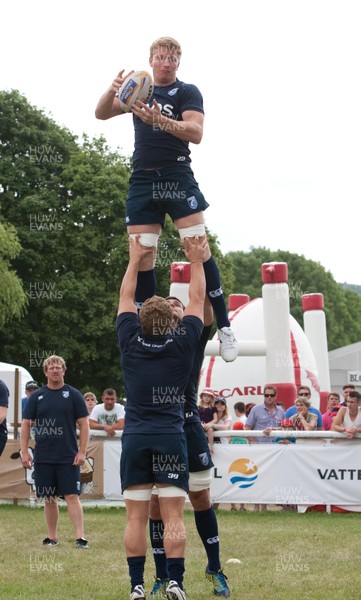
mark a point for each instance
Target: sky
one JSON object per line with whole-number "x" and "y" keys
{"x": 280, "y": 158}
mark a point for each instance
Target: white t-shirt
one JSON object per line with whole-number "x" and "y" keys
{"x": 243, "y": 419}
{"x": 107, "y": 417}
{"x": 226, "y": 421}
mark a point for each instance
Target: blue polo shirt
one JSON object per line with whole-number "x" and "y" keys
{"x": 260, "y": 417}
{"x": 156, "y": 371}
{"x": 55, "y": 413}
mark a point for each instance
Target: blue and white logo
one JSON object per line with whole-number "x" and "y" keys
{"x": 173, "y": 92}
{"x": 66, "y": 394}
{"x": 192, "y": 202}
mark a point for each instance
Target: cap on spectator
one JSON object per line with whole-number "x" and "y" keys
{"x": 238, "y": 425}
{"x": 223, "y": 400}
{"x": 207, "y": 391}
{"x": 31, "y": 385}
{"x": 286, "y": 423}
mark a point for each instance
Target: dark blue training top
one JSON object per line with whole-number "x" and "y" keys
{"x": 156, "y": 372}
{"x": 55, "y": 413}
{"x": 154, "y": 147}
{"x": 191, "y": 391}
{"x": 4, "y": 401}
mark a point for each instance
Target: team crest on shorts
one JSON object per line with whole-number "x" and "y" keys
{"x": 204, "y": 458}
{"x": 192, "y": 202}
{"x": 66, "y": 394}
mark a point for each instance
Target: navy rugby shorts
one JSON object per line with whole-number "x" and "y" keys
{"x": 154, "y": 458}
{"x": 199, "y": 456}
{"x": 56, "y": 479}
{"x": 155, "y": 193}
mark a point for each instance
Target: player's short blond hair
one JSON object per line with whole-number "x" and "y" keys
{"x": 170, "y": 43}
{"x": 156, "y": 317}
{"x": 53, "y": 360}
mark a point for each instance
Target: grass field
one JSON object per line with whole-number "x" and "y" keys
{"x": 283, "y": 556}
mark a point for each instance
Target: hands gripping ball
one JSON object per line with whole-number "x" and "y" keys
{"x": 137, "y": 86}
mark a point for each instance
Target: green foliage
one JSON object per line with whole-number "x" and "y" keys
{"x": 12, "y": 296}
{"x": 67, "y": 204}
{"x": 342, "y": 307}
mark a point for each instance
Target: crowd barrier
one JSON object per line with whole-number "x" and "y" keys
{"x": 321, "y": 468}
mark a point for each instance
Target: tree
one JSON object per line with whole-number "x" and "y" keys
{"x": 12, "y": 296}
{"x": 67, "y": 204}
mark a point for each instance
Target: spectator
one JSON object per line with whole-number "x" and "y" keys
{"x": 90, "y": 400}
{"x": 348, "y": 419}
{"x": 109, "y": 415}
{"x": 286, "y": 425}
{"x": 304, "y": 420}
{"x": 305, "y": 392}
{"x": 347, "y": 388}
{"x": 333, "y": 405}
{"x": 265, "y": 415}
{"x": 238, "y": 426}
{"x": 4, "y": 403}
{"x": 57, "y": 409}
{"x": 239, "y": 410}
{"x": 224, "y": 421}
{"x": 208, "y": 414}
{"x": 30, "y": 387}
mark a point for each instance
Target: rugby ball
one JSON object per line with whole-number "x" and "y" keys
{"x": 137, "y": 86}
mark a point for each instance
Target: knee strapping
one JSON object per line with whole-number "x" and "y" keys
{"x": 192, "y": 231}
{"x": 142, "y": 495}
{"x": 146, "y": 239}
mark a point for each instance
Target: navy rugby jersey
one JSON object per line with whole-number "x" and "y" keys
{"x": 55, "y": 413}
{"x": 154, "y": 147}
{"x": 156, "y": 371}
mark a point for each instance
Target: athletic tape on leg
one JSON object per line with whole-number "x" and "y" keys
{"x": 171, "y": 491}
{"x": 192, "y": 231}
{"x": 146, "y": 239}
{"x": 200, "y": 480}
{"x": 140, "y": 495}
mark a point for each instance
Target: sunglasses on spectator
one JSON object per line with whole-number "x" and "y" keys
{"x": 269, "y": 395}
{"x": 303, "y": 394}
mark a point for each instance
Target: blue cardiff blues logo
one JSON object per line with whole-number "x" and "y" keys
{"x": 66, "y": 394}
{"x": 173, "y": 92}
{"x": 243, "y": 473}
{"x": 204, "y": 459}
{"x": 192, "y": 201}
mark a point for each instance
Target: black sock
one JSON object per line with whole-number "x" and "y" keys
{"x": 215, "y": 292}
{"x": 136, "y": 570}
{"x": 146, "y": 285}
{"x": 176, "y": 570}
{"x": 156, "y": 532}
{"x": 207, "y": 527}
